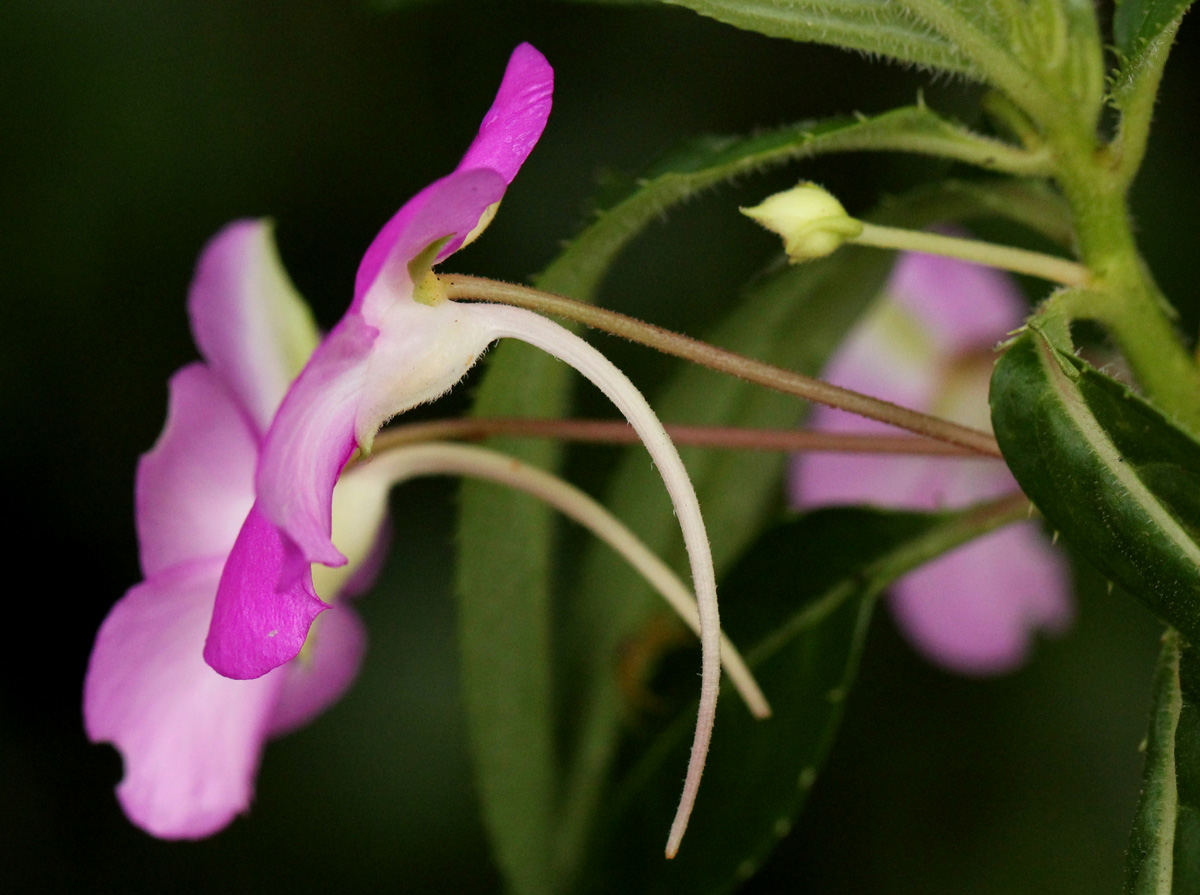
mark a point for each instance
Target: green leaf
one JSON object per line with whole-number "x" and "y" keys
{"x": 1144, "y": 31}
{"x": 1118, "y": 479}
{"x": 1164, "y": 844}
{"x": 871, "y": 26}
{"x": 703, "y": 163}
{"x": 1137, "y": 24}
{"x": 803, "y": 595}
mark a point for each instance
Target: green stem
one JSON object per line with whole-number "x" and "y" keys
{"x": 1036, "y": 264}
{"x": 1123, "y": 296}
{"x": 460, "y": 287}
{"x": 1134, "y": 95}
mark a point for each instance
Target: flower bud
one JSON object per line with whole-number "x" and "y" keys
{"x": 811, "y": 221}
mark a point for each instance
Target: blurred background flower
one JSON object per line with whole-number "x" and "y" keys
{"x": 927, "y": 344}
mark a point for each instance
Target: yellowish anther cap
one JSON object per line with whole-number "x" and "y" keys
{"x": 811, "y": 221}
{"x": 429, "y": 290}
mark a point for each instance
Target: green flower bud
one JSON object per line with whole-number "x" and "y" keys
{"x": 811, "y": 221}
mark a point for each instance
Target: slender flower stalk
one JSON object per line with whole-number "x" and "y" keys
{"x": 976, "y": 251}
{"x": 612, "y": 432}
{"x": 813, "y": 223}
{"x": 510, "y": 322}
{"x": 467, "y": 288}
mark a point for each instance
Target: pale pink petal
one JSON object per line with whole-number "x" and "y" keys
{"x": 310, "y": 441}
{"x": 322, "y": 672}
{"x": 963, "y": 306}
{"x": 190, "y": 739}
{"x": 976, "y": 609}
{"x": 450, "y": 207}
{"x": 884, "y": 358}
{"x": 251, "y": 325}
{"x": 259, "y": 620}
{"x": 516, "y": 119}
{"x": 881, "y": 359}
{"x": 195, "y": 486}
{"x": 909, "y": 483}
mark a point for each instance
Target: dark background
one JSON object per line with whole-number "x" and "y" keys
{"x": 130, "y": 132}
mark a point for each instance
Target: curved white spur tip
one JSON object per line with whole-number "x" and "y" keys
{"x": 550, "y": 337}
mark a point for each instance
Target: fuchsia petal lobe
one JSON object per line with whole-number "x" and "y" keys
{"x": 310, "y": 441}
{"x": 259, "y": 622}
{"x": 252, "y": 327}
{"x": 453, "y": 205}
{"x": 319, "y": 676}
{"x": 190, "y": 739}
{"x": 515, "y": 122}
{"x": 450, "y": 207}
{"x": 195, "y": 486}
{"x": 976, "y": 608}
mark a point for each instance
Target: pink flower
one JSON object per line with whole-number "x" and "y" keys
{"x": 401, "y": 344}
{"x": 384, "y": 356}
{"x": 191, "y": 739}
{"x": 927, "y": 345}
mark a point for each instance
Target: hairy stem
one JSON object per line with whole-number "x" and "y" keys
{"x": 614, "y": 432}
{"x": 466, "y": 288}
{"x": 1036, "y": 264}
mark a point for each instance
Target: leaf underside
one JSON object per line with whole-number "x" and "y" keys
{"x": 1118, "y": 479}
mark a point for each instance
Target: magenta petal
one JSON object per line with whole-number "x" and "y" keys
{"x": 259, "y": 621}
{"x": 517, "y": 117}
{"x": 319, "y": 676}
{"x": 975, "y": 610}
{"x": 450, "y": 207}
{"x": 311, "y": 439}
{"x": 252, "y": 327}
{"x": 195, "y": 486}
{"x": 190, "y": 739}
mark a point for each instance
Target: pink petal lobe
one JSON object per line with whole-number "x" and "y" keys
{"x": 190, "y": 739}
{"x": 319, "y": 676}
{"x": 450, "y": 207}
{"x": 976, "y": 609}
{"x": 310, "y": 441}
{"x": 251, "y": 325}
{"x": 260, "y": 620}
{"x": 195, "y": 486}
{"x": 517, "y": 117}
